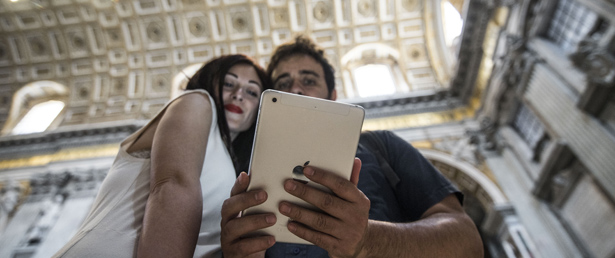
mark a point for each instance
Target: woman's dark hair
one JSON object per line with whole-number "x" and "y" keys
{"x": 211, "y": 78}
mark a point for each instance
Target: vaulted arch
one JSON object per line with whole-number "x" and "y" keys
{"x": 29, "y": 98}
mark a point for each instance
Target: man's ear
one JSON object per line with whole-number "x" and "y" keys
{"x": 333, "y": 95}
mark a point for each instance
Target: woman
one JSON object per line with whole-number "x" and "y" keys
{"x": 163, "y": 193}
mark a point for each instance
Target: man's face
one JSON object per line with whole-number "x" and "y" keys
{"x": 301, "y": 74}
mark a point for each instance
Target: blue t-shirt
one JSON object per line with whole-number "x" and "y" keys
{"x": 420, "y": 187}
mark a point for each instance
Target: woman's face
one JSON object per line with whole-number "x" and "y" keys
{"x": 241, "y": 93}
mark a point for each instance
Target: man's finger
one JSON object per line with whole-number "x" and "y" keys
{"x": 356, "y": 170}
{"x": 342, "y": 187}
{"x": 232, "y": 206}
{"x": 237, "y": 228}
{"x": 320, "y": 239}
{"x": 327, "y": 202}
{"x": 315, "y": 220}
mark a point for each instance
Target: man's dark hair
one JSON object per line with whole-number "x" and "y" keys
{"x": 304, "y": 46}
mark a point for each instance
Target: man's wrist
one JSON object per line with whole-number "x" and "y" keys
{"x": 364, "y": 248}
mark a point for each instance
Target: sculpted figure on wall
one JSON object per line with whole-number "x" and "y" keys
{"x": 507, "y": 74}
{"x": 9, "y": 199}
{"x": 596, "y": 62}
{"x": 538, "y": 17}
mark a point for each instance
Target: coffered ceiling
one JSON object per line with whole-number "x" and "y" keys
{"x": 117, "y": 59}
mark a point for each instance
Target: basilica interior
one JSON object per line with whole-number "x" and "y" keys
{"x": 512, "y": 100}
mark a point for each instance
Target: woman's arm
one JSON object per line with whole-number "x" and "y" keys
{"x": 173, "y": 212}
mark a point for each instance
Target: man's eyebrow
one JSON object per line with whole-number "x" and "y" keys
{"x": 280, "y": 77}
{"x": 309, "y": 72}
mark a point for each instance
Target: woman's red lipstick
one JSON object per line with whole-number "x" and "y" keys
{"x": 233, "y": 108}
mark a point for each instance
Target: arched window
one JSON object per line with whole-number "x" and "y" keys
{"x": 371, "y": 70}
{"x": 443, "y": 36}
{"x": 35, "y": 108}
{"x": 452, "y": 24}
{"x": 374, "y": 80}
{"x": 39, "y": 117}
{"x": 181, "y": 79}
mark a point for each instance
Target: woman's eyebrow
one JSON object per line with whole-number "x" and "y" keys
{"x": 232, "y": 74}
{"x": 255, "y": 82}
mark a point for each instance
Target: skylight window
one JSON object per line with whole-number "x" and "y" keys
{"x": 39, "y": 117}
{"x": 374, "y": 80}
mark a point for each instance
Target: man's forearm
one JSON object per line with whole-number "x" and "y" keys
{"x": 439, "y": 235}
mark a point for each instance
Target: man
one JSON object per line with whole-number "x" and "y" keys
{"x": 421, "y": 216}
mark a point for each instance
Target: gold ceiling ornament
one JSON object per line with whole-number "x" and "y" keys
{"x": 198, "y": 27}
{"x": 418, "y": 120}
{"x": 155, "y": 32}
{"x": 99, "y": 151}
{"x": 114, "y": 37}
{"x": 280, "y": 16}
{"x": 367, "y": 8}
{"x": 37, "y": 46}
{"x": 240, "y": 22}
{"x": 322, "y": 11}
{"x": 77, "y": 40}
{"x": 416, "y": 52}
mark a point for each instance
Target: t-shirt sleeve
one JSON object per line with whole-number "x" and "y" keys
{"x": 421, "y": 185}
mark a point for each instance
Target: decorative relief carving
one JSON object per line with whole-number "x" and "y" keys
{"x": 160, "y": 81}
{"x": 217, "y": 27}
{"x": 416, "y": 52}
{"x": 596, "y": 62}
{"x": 156, "y": 32}
{"x": 48, "y": 183}
{"x": 505, "y": 79}
{"x": 50, "y": 192}
{"x": 38, "y": 46}
{"x": 322, "y": 11}
{"x": 10, "y": 195}
{"x": 279, "y": 17}
{"x": 198, "y": 27}
{"x": 77, "y": 41}
{"x": 113, "y": 37}
{"x": 367, "y": 8}
{"x": 241, "y": 22}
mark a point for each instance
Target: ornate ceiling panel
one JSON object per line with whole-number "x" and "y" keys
{"x": 117, "y": 58}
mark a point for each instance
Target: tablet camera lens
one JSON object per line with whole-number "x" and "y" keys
{"x": 274, "y": 99}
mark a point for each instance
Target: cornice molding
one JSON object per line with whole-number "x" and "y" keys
{"x": 16, "y": 146}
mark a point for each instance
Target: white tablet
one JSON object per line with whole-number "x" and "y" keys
{"x": 293, "y": 131}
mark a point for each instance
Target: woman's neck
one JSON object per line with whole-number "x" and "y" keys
{"x": 233, "y": 135}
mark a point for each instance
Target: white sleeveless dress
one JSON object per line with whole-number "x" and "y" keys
{"x": 113, "y": 225}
